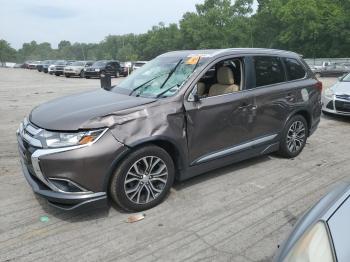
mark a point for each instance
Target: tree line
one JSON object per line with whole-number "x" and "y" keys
{"x": 313, "y": 28}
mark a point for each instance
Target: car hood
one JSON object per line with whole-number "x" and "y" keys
{"x": 341, "y": 88}
{"x": 319, "y": 212}
{"x": 72, "y": 112}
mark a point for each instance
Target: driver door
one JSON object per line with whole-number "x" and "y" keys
{"x": 217, "y": 125}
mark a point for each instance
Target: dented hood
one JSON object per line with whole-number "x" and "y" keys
{"x": 74, "y": 112}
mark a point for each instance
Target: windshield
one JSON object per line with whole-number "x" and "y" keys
{"x": 60, "y": 63}
{"x": 161, "y": 77}
{"x": 346, "y": 78}
{"x": 78, "y": 63}
{"x": 99, "y": 63}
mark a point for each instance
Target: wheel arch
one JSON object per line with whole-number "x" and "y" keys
{"x": 304, "y": 113}
{"x": 165, "y": 143}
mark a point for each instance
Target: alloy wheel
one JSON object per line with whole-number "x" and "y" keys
{"x": 296, "y": 136}
{"x": 146, "y": 179}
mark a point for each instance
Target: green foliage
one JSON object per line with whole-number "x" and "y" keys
{"x": 7, "y": 53}
{"x": 314, "y": 28}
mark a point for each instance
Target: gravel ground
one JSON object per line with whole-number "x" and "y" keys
{"x": 238, "y": 213}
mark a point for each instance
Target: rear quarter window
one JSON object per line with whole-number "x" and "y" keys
{"x": 294, "y": 69}
{"x": 268, "y": 70}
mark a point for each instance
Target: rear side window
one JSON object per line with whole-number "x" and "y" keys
{"x": 268, "y": 70}
{"x": 294, "y": 69}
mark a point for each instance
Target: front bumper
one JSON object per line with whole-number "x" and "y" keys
{"x": 86, "y": 169}
{"x": 336, "y": 106}
{"x": 61, "y": 200}
{"x": 71, "y": 73}
{"x": 92, "y": 73}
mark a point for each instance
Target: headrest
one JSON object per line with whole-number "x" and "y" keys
{"x": 225, "y": 76}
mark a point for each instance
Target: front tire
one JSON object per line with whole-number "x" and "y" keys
{"x": 143, "y": 179}
{"x": 294, "y": 137}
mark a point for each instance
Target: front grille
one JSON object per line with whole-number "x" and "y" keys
{"x": 342, "y": 106}
{"x": 28, "y": 132}
{"x": 343, "y": 97}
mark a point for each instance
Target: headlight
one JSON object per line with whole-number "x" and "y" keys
{"x": 97, "y": 69}
{"x": 313, "y": 246}
{"x": 57, "y": 139}
{"x": 329, "y": 93}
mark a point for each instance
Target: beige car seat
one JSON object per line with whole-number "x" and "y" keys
{"x": 201, "y": 89}
{"x": 226, "y": 83}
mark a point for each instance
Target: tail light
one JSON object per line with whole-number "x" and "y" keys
{"x": 318, "y": 86}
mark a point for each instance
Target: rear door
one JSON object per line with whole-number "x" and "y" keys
{"x": 277, "y": 92}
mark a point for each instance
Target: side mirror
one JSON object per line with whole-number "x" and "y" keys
{"x": 194, "y": 97}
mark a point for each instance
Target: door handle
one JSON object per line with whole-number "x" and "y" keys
{"x": 245, "y": 106}
{"x": 290, "y": 97}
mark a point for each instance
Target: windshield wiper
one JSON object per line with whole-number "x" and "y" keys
{"x": 177, "y": 85}
{"x": 170, "y": 74}
{"x": 145, "y": 83}
{"x": 166, "y": 90}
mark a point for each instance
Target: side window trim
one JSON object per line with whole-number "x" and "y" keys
{"x": 299, "y": 63}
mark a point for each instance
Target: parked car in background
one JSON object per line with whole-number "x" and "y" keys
{"x": 109, "y": 67}
{"x": 57, "y": 68}
{"x": 182, "y": 114}
{"x": 336, "y": 99}
{"x": 40, "y": 67}
{"x": 125, "y": 68}
{"x": 138, "y": 64}
{"x": 330, "y": 69}
{"x": 76, "y": 68}
{"x": 323, "y": 233}
{"x": 32, "y": 64}
{"x": 46, "y": 65}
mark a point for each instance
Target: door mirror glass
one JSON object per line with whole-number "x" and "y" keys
{"x": 194, "y": 97}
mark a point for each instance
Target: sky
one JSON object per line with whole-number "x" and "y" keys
{"x": 84, "y": 20}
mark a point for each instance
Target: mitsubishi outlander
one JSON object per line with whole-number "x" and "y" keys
{"x": 180, "y": 115}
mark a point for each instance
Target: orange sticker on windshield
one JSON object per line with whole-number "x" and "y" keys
{"x": 193, "y": 60}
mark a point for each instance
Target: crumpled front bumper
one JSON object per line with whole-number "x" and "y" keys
{"x": 60, "y": 200}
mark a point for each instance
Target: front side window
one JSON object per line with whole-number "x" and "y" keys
{"x": 268, "y": 70}
{"x": 161, "y": 77}
{"x": 225, "y": 77}
{"x": 294, "y": 69}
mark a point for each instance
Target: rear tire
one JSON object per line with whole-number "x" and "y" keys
{"x": 143, "y": 179}
{"x": 67, "y": 76}
{"x": 294, "y": 137}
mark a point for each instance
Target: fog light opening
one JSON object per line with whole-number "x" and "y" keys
{"x": 67, "y": 186}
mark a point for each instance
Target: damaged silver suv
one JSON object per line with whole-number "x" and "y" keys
{"x": 182, "y": 114}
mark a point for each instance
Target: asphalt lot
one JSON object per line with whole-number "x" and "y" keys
{"x": 238, "y": 213}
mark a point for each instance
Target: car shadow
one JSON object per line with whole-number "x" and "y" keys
{"x": 179, "y": 185}
{"x": 345, "y": 119}
{"x": 84, "y": 213}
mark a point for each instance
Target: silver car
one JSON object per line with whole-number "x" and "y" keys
{"x": 76, "y": 68}
{"x": 336, "y": 99}
{"x": 323, "y": 233}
